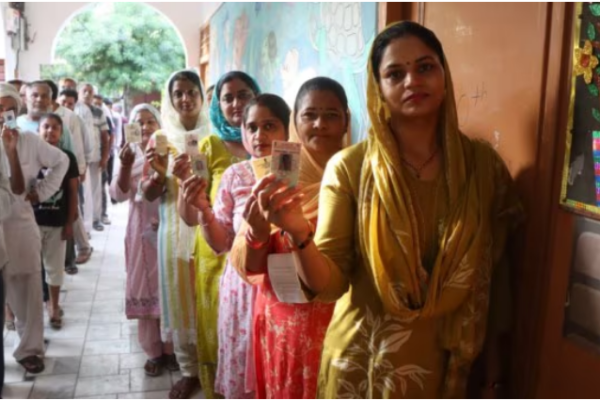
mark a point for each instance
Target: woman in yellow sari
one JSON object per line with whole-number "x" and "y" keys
{"x": 412, "y": 223}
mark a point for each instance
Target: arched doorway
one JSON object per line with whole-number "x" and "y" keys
{"x": 125, "y": 49}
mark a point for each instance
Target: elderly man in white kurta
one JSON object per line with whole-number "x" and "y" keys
{"x": 22, "y": 274}
{"x": 11, "y": 182}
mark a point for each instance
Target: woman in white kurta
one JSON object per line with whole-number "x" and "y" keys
{"x": 23, "y": 243}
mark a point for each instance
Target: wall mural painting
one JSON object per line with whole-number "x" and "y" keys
{"x": 580, "y": 190}
{"x": 284, "y": 44}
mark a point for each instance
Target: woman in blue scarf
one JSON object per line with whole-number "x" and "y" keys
{"x": 222, "y": 149}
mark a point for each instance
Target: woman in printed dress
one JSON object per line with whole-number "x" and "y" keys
{"x": 266, "y": 119}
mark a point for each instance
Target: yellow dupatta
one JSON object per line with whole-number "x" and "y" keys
{"x": 458, "y": 289}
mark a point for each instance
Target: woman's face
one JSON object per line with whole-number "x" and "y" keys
{"x": 234, "y": 96}
{"x": 261, "y": 129}
{"x": 321, "y": 121}
{"x": 50, "y": 131}
{"x": 149, "y": 125}
{"x": 412, "y": 79}
{"x": 186, "y": 98}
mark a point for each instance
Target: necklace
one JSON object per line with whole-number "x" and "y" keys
{"x": 417, "y": 169}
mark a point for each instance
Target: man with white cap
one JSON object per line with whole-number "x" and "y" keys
{"x": 23, "y": 270}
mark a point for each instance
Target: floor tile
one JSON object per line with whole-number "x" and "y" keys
{"x": 113, "y": 294}
{"x": 59, "y": 366}
{"x": 104, "y": 332}
{"x": 99, "y": 365}
{"x": 70, "y": 330}
{"x": 78, "y": 306}
{"x": 146, "y": 395}
{"x": 101, "y": 385}
{"x": 121, "y": 346}
{"x": 79, "y": 296}
{"x": 20, "y": 390}
{"x": 54, "y": 387}
{"x": 13, "y": 372}
{"x": 65, "y": 348}
{"x": 129, "y": 328}
{"x": 135, "y": 344}
{"x": 108, "y": 306}
{"x": 132, "y": 360}
{"x": 104, "y": 318}
{"x": 142, "y": 383}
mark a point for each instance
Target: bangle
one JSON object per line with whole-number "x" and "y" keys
{"x": 207, "y": 223}
{"x": 253, "y": 242}
{"x": 311, "y": 234}
{"x": 155, "y": 182}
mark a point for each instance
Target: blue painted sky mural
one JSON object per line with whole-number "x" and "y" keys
{"x": 284, "y": 44}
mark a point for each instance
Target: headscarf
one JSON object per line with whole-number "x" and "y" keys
{"x": 138, "y": 164}
{"x": 225, "y": 131}
{"x": 171, "y": 125}
{"x": 145, "y": 107}
{"x": 8, "y": 90}
{"x": 311, "y": 173}
{"x": 457, "y": 290}
{"x": 175, "y": 132}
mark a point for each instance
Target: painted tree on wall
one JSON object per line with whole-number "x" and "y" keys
{"x": 120, "y": 47}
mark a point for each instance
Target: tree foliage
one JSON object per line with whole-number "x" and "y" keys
{"x": 120, "y": 47}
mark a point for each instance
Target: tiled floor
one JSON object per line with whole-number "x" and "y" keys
{"x": 96, "y": 353}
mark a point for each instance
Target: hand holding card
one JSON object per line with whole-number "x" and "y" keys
{"x": 285, "y": 163}
{"x": 191, "y": 144}
{"x": 199, "y": 166}
{"x": 10, "y": 120}
{"x": 133, "y": 133}
{"x": 162, "y": 144}
{"x": 261, "y": 167}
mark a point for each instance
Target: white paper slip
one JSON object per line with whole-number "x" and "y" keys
{"x": 133, "y": 133}
{"x": 284, "y": 279}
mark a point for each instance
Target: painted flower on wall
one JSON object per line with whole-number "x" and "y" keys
{"x": 585, "y": 62}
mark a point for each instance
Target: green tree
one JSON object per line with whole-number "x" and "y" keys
{"x": 120, "y": 47}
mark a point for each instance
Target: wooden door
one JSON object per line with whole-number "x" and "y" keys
{"x": 570, "y": 346}
{"x": 509, "y": 63}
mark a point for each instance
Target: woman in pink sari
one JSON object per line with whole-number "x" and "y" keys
{"x": 140, "y": 245}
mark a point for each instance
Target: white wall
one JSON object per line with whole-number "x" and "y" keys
{"x": 47, "y": 19}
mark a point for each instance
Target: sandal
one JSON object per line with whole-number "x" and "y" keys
{"x": 56, "y": 323}
{"x": 153, "y": 366}
{"x": 170, "y": 362}
{"x": 71, "y": 270}
{"x": 84, "y": 256}
{"x": 184, "y": 388}
{"x": 32, "y": 364}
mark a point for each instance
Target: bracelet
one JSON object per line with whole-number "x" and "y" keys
{"x": 155, "y": 182}
{"x": 253, "y": 242}
{"x": 207, "y": 223}
{"x": 302, "y": 245}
